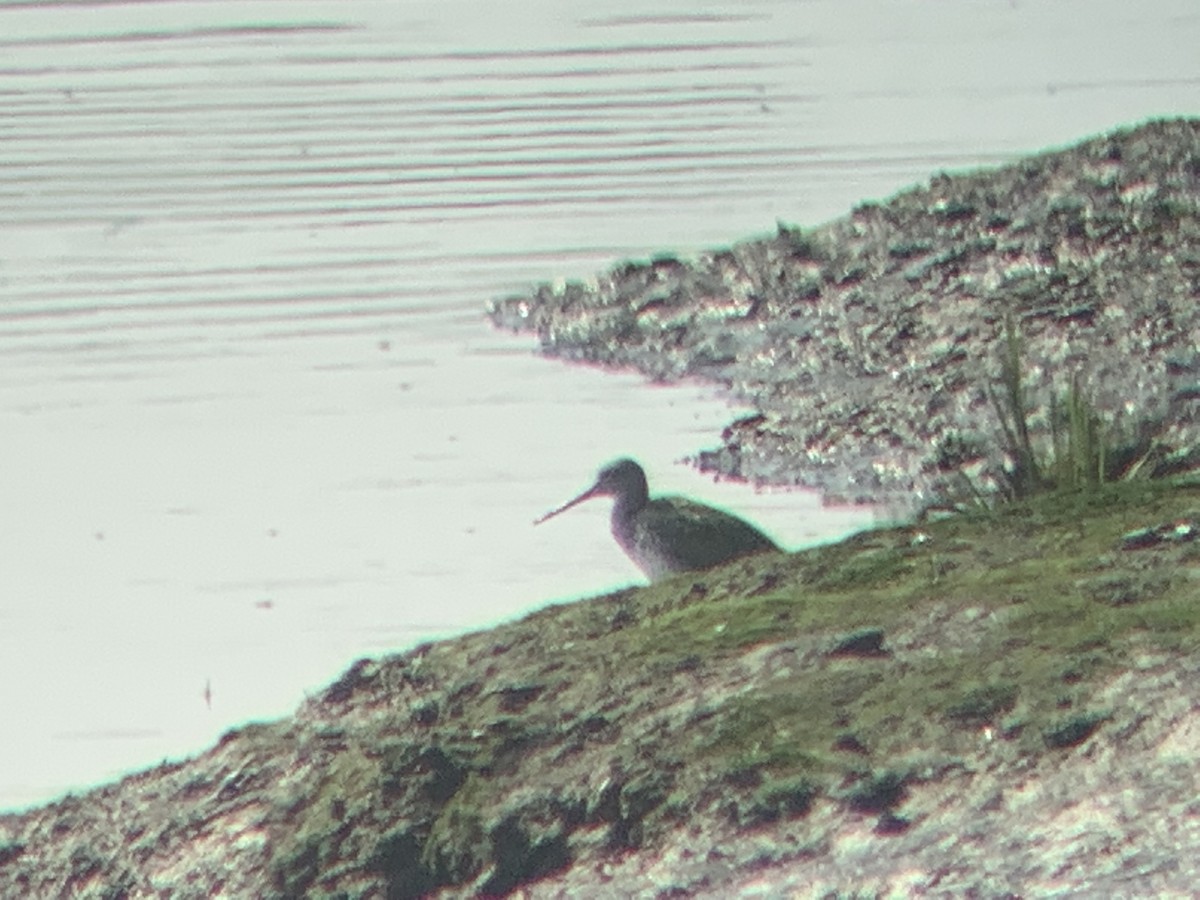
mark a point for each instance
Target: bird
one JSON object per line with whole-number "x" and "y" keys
{"x": 666, "y": 535}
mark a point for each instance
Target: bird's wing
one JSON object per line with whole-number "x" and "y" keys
{"x": 692, "y": 536}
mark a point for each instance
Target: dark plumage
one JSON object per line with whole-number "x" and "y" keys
{"x": 668, "y": 534}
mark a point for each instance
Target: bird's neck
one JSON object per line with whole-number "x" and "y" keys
{"x": 626, "y": 506}
{"x": 629, "y": 503}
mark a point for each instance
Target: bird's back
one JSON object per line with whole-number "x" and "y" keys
{"x": 672, "y": 534}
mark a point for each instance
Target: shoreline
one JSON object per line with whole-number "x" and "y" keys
{"x": 867, "y": 343}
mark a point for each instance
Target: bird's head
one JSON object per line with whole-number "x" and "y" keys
{"x": 621, "y": 479}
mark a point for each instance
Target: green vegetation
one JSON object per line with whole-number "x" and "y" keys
{"x": 1083, "y": 451}
{"x": 842, "y": 674}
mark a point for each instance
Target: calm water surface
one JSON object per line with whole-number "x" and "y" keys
{"x": 253, "y": 423}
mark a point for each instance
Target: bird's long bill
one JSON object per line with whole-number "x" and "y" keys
{"x": 586, "y": 495}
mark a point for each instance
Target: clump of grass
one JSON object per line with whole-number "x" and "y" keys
{"x": 1012, "y": 411}
{"x": 1083, "y": 451}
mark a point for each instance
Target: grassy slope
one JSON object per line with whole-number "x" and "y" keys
{"x": 716, "y": 695}
{"x": 698, "y": 710}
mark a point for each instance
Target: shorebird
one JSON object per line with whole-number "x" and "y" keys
{"x": 667, "y": 534}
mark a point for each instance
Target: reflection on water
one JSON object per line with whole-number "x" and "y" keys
{"x": 254, "y": 424}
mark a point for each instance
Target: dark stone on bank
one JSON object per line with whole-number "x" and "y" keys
{"x": 865, "y": 642}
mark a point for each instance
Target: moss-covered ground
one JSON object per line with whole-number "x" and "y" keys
{"x": 758, "y": 712}
{"x": 842, "y": 672}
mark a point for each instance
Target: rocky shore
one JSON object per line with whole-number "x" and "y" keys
{"x": 867, "y": 344}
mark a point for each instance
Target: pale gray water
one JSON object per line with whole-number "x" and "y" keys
{"x": 253, "y": 425}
